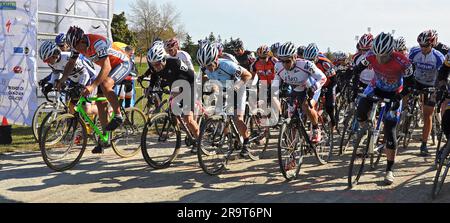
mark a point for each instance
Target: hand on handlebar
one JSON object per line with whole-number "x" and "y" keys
{"x": 87, "y": 90}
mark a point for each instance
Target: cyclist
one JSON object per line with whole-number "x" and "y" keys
{"x": 343, "y": 70}
{"x": 167, "y": 70}
{"x": 60, "y": 40}
{"x": 426, "y": 63}
{"x": 444, "y": 84}
{"x": 244, "y": 57}
{"x": 390, "y": 67}
{"x": 223, "y": 54}
{"x": 304, "y": 77}
{"x": 274, "y": 49}
{"x": 300, "y": 51}
{"x": 224, "y": 70}
{"x": 362, "y": 79}
{"x": 173, "y": 49}
{"x": 126, "y": 92}
{"x": 82, "y": 73}
{"x": 115, "y": 66}
{"x": 264, "y": 66}
{"x": 400, "y": 46}
{"x": 311, "y": 53}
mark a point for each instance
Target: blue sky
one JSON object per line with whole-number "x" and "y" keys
{"x": 329, "y": 23}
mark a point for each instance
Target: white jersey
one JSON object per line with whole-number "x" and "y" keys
{"x": 367, "y": 74}
{"x": 426, "y": 66}
{"x": 185, "y": 57}
{"x": 83, "y": 72}
{"x": 229, "y": 57}
{"x": 303, "y": 75}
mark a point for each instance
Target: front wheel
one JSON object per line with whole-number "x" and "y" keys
{"x": 357, "y": 162}
{"x": 290, "y": 151}
{"x": 160, "y": 141}
{"x": 441, "y": 172}
{"x": 63, "y": 142}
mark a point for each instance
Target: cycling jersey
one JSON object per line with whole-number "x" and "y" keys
{"x": 82, "y": 73}
{"x": 264, "y": 70}
{"x": 389, "y": 76}
{"x": 229, "y": 57}
{"x": 226, "y": 70}
{"x": 441, "y": 48}
{"x": 99, "y": 48}
{"x": 303, "y": 72}
{"x": 245, "y": 59}
{"x": 326, "y": 66}
{"x": 174, "y": 70}
{"x": 367, "y": 74}
{"x": 185, "y": 57}
{"x": 426, "y": 66}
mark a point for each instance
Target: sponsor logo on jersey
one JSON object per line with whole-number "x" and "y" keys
{"x": 8, "y": 5}
{"x": 8, "y": 26}
{"x": 424, "y": 66}
{"x": 18, "y": 50}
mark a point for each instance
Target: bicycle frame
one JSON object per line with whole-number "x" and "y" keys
{"x": 104, "y": 137}
{"x": 385, "y": 105}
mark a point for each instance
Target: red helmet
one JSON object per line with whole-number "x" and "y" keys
{"x": 263, "y": 51}
{"x": 365, "y": 42}
{"x": 427, "y": 37}
{"x": 171, "y": 43}
{"x": 17, "y": 69}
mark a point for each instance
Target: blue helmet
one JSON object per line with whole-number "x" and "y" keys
{"x": 311, "y": 52}
{"x": 60, "y": 39}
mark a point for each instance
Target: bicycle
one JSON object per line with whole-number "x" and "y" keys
{"x": 219, "y": 140}
{"x": 69, "y": 132}
{"x": 373, "y": 149}
{"x": 294, "y": 143}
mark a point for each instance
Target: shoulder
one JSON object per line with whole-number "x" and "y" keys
{"x": 439, "y": 56}
{"x": 414, "y": 51}
{"x": 184, "y": 54}
{"x": 401, "y": 59}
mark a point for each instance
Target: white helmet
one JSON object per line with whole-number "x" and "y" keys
{"x": 156, "y": 53}
{"x": 400, "y": 44}
{"x": 207, "y": 54}
{"x": 47, "y": 50}
{"x": 287, "y": 50}
{"x": 383, "y": 44}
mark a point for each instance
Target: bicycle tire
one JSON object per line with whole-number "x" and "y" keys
{"x": 439, "y": 179}
{"x": 353, "y": 179}
{"x": 295, "y": 152}
{"x": 129, "y": 132}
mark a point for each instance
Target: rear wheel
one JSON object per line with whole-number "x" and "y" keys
{"x": 125, "y": 140}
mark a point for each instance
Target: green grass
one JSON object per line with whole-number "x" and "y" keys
{"x": 22, "y": 140}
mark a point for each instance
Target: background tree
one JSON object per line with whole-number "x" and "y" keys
{"x": 120, "y": 31}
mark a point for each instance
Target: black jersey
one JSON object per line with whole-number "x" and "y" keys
{"x": 174, "y": 70}
{"x": 245, "y": 59}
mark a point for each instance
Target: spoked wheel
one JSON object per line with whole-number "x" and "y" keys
{"x": 160, "y": 141}
{"x": 438, "y": 150}
{"x": 148, "y": 106}
{"x": 441, "y": 172}
{"x": 125, "y": 140}
{"x": 357, "y": 162}
{"x": 215, "y": 147}
{"x": 39, "y": 116}
{"x": 259, "y": 135}
{"x": 63, "y": 142}
{"x": 348, "y": 132}
{"x": 290, "y": 151}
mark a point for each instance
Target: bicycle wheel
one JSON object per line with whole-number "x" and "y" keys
{"x": 357, "y": 162}
{"x": 259, "y": 136}
{"x": 125, "y": 140}
{"x": 290, "y": 151}
{"x": 439, "y": 178}
{"x": 38, "y": 117}
{"x": 214, "y": 146}
{"x": 348, "y": 131}
{"x": 148, "y": 107}
{"x": 438, "y": 150}
{"x": 63, "y": 142}
{"x": 160, "y": 141}
{"x": 407, "y": 131}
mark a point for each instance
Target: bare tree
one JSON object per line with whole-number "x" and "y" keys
{"x": 150, "y": 21}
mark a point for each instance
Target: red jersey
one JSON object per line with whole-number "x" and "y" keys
{"x": 326, "y": 66}
{"x": 264, "y": 70}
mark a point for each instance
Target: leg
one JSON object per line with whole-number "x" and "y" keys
{"x": 391, "y": 146}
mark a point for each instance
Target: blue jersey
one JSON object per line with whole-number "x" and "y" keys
{"x": 426, "y": 66}
{"x": 227, "y": 70}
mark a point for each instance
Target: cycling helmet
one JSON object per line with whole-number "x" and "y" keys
{"x": 262, "y": 51}
{"x": 311, "y": 52}
{"x": 339, "y": 55}
{"x": 383, "y": 44}
{"x": 400, "y": 44}
{"x": 60, "y": 39}
{"x": 202, "y": 42}
{"x": 158, "y": 42}
{"x": 286, "y": 50}
{"x": 171, "y": 43}
{"x": 47, "y": 50}
{"x": 74, "y": 35}
{"x": 219, "y": 47}
{"x": 365, "y": 42}
{"x": 274, "y": 47}
{"x": 301, "y": 51}
{"x": 427, "y": 37}
{"x": 207, "y": 54}
{"x": 156, "y": 53}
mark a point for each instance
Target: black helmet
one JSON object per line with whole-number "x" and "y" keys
{"x": 74, "y": 35}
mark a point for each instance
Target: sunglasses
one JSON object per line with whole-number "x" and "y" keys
{"x": 425, "y": 45}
